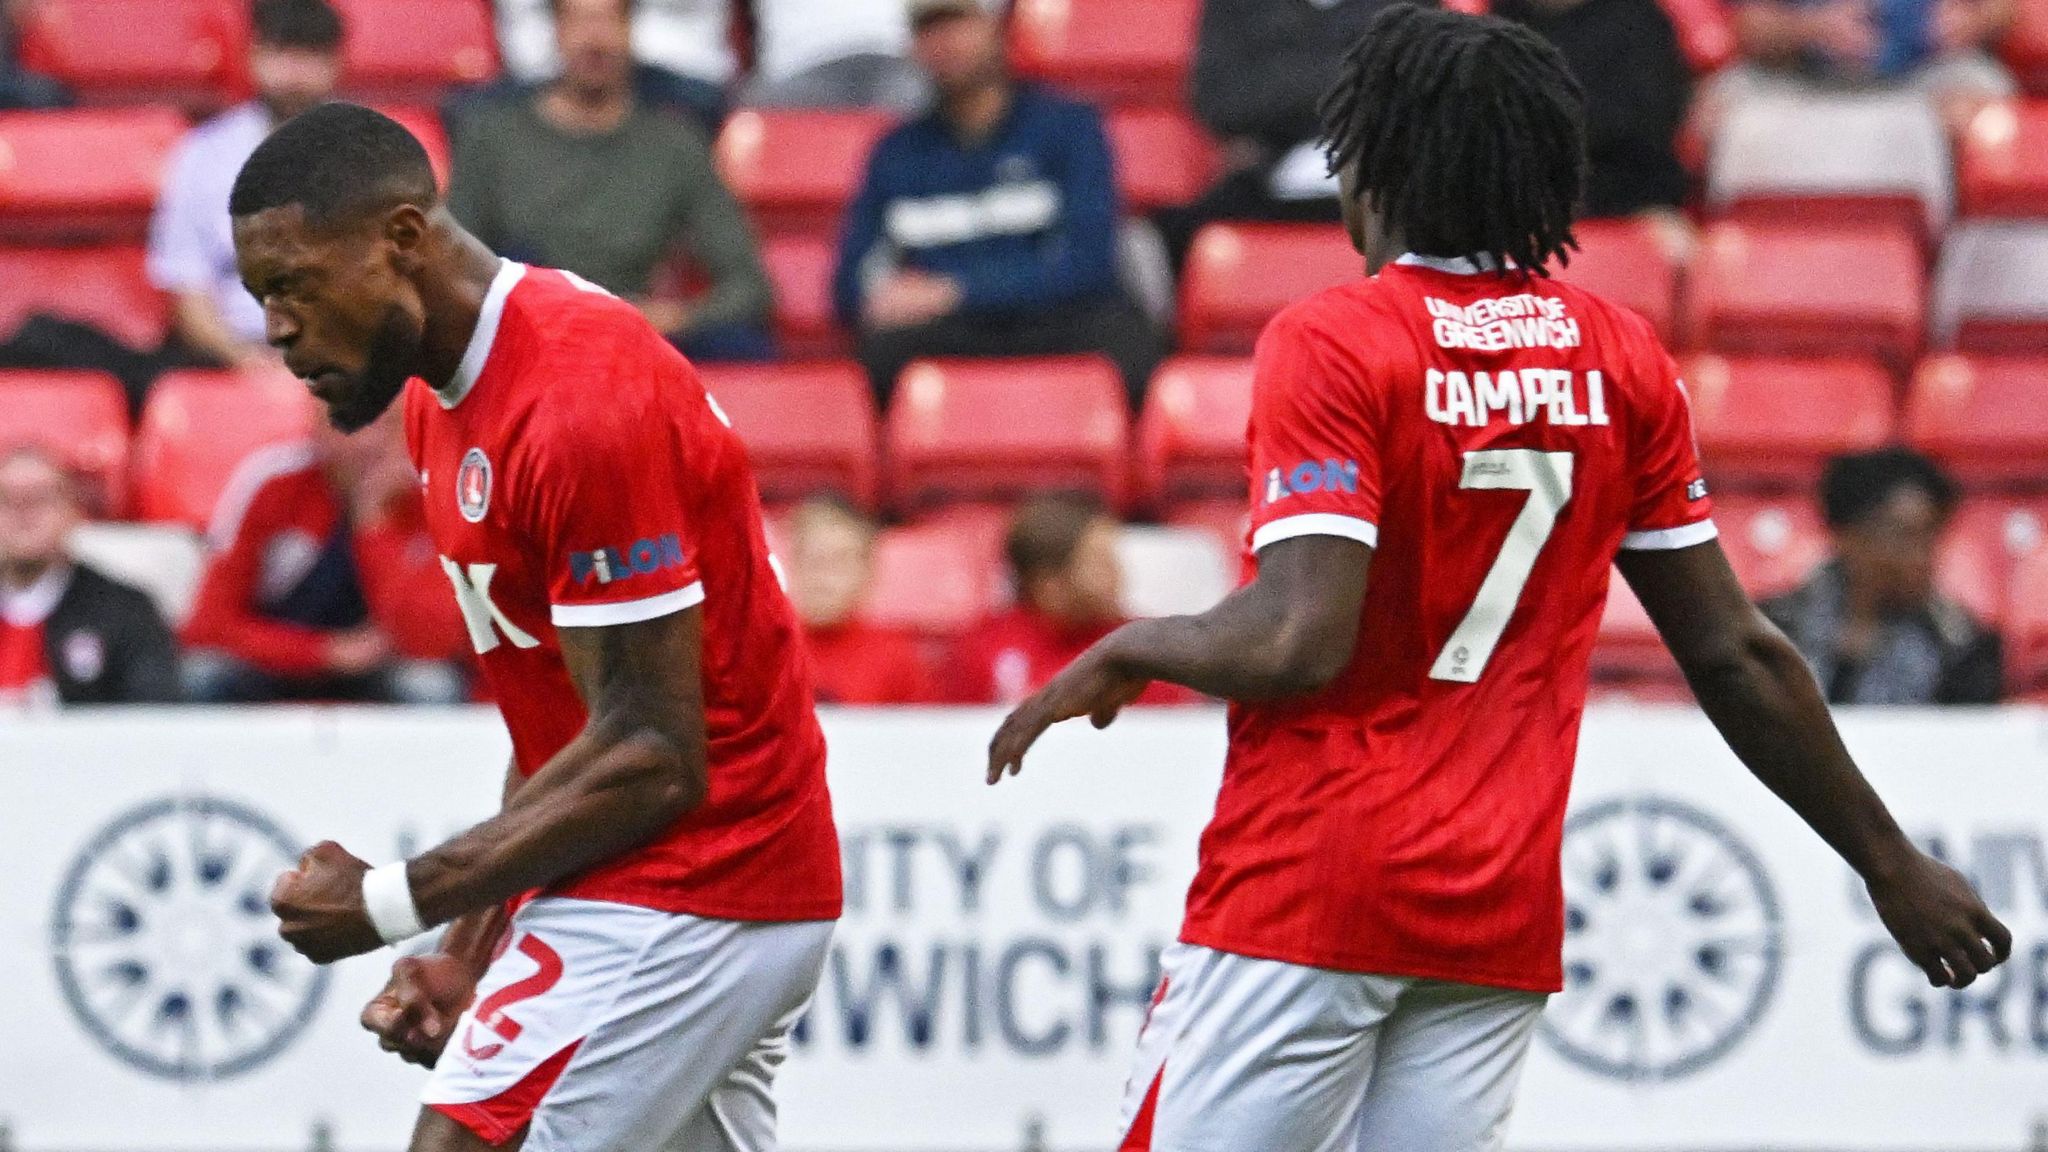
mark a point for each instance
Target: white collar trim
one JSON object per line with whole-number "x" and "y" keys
{"x": 486, "y": 334}
{"x": 1453, "y": 265}
{"x": 32, "y": 605}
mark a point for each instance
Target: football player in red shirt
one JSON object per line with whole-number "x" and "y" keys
{"x": 1378, "y": 913}
{"x": 666, "y": 851}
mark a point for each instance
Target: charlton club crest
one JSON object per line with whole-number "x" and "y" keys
{"x": 473, "y": 485}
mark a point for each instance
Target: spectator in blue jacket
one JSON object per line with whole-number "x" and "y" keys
{"x": 986, "y": 227}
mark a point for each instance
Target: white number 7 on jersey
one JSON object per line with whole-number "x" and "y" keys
{"x": 1547, "y": 478}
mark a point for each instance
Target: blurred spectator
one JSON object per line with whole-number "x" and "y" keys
{"x": 1940, "y": 47}
{"x": 988, "y": 226}
{"x": 682, "y": 51}
{"x": 20, "y": 89}
{"x": 1069, "y": 582}
{"x": 323, "y": 583}
{"x": 583, "y": 176}
{"x": 1626, "y": 55}
{"x": 832, "y": 53}
{"x": 1261, "y": 68}
{"x": 853, "y": 661}
{"x": 68, "y": 633}
{"x": 1870, "y": 620}
{"x": 295, "y": 63}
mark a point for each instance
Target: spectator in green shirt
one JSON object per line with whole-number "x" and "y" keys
{"x": 579, "y": 176}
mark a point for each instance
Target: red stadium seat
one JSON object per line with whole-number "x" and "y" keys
{"x": 86, "y": 174}
{"x": 930, "y": 578}
{"x": 1111, "y": 51}
{"x": 183, "y": 52}
{"x": 1163, "y": 158}
{"x": 1991, "y": 290}
{"x": 1804, "y": 290}
{"x": 1706, "y": 32}
{"x": 1772, "y": 542}
{"x": 2002, "y": 161}
{"x": 985, "y": 429}
{"x": 2026, "y": 46}
{"x": 104, "y": 287}
{"x": 415, "y": 50}
{"x": 808, "y": 427}
{"x": 1825, "y": 159}
{"x": 197, "y": 428}
{"x": 1191, "y": 433}
{"x": 1986, "y": 541}
{"x": 80, "y": 416}
{"x": 795, "y": 168}
{"x": 1625, "y": 261}
{"x": 1768, "y": 420}
{"x": 1984, "y": 417}
{"x": 1239, "y": 275}
{"x": 2026, "y": 630}
{"x": 425, "y": 123}
{"x": 801, "y": 267}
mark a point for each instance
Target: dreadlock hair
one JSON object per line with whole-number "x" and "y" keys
{"x": 1466, "y": 134}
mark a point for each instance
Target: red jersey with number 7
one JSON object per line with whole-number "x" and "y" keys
{"x": 1496, "y": 439}
{"x": 577, "y": 475}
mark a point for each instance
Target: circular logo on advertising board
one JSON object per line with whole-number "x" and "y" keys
{"x": 1673, "y": 941}
{"x": 165, "y": 947}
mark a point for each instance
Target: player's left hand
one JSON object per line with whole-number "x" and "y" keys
{"x": 1087, "y": 687}
{"x": 319, "y": 905}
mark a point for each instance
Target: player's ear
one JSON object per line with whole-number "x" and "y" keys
{"x": 405, "y": 231}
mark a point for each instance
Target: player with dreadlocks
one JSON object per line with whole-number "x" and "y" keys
{"x": 1378, "y": 914}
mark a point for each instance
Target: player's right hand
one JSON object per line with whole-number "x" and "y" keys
{"x": 416, "y": 1012}
{"x": 1939, "y": 922}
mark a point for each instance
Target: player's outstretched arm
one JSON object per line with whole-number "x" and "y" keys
{"x": 1759, "y": 693}
{"x": 636, "y": 768}
{"x": 1287, "y": 633}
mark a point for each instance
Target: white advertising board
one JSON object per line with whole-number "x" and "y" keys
{"x": 1730, "y": 987}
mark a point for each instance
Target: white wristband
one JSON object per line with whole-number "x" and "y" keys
{"x": 387, "y": 896}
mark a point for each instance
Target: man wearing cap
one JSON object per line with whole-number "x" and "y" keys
{"x": 987, "y": 226}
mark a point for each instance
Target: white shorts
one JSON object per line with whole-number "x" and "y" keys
{"x": 605, "y": 1026}
{"x": 1241, "y": 1054}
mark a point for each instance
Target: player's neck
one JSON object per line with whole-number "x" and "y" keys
{"x": 454, "y": 301}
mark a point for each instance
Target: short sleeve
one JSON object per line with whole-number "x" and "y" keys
{"x": 1671, "y": 508}
{"x": 1315, "y": 468}
{"x": 609, "y": 519}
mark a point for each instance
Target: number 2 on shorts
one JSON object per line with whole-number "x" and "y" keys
{"x": 1547, "y": 478}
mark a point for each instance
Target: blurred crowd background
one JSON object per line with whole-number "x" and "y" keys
{"x": 979, "y": 284}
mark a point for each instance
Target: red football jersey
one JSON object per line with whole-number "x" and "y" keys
{"x": 577, "y": 475}
{"x": 1496, "y": 440}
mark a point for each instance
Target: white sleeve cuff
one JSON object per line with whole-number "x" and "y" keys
{"x": 626, "y": 611}
{"x": 1668, "y": 539}
{"x": 1317, "y": 524}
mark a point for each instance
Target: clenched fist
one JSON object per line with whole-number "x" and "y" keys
{"x": 319, "y": 906}
{"x": 417, "y": 1010}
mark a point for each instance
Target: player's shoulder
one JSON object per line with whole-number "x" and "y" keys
{"x": 1615, "y": 324}
{"x": 1348, "y": 320}
{"x": 563, "y": 324}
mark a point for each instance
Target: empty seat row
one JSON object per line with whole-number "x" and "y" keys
{"x": 196, "y": 429}
{"x": 92, "y": 174}
{"x": 1765, "y": 288}
{"x": 193, "y": 52}
{"x": 966, "y": 430}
